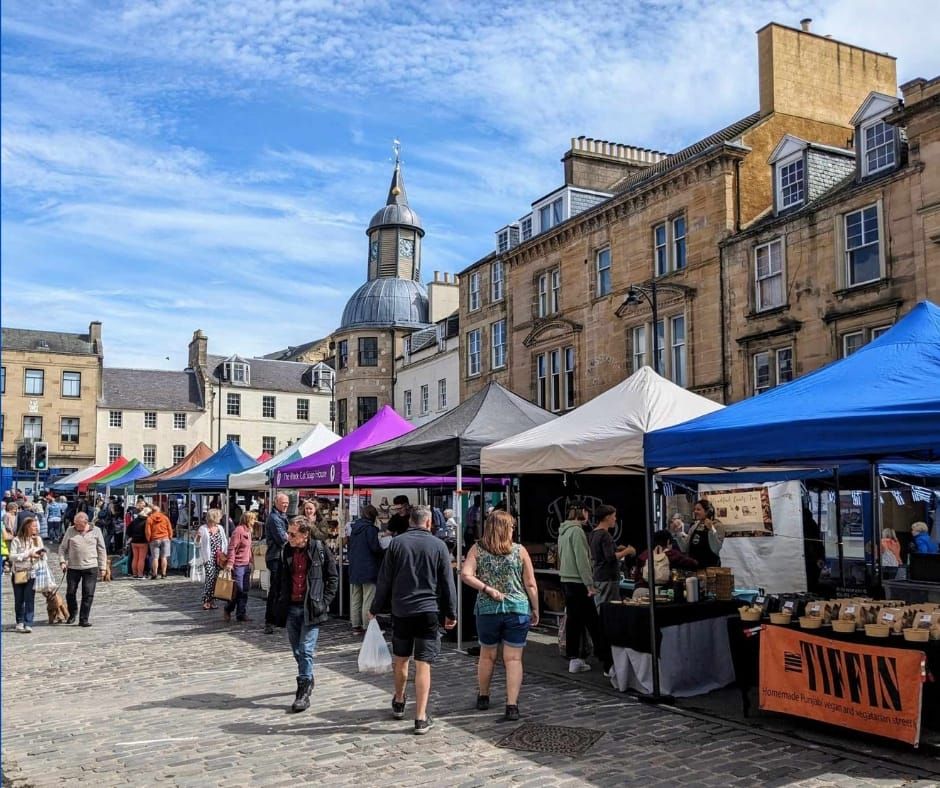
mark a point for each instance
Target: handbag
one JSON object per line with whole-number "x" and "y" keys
{"x": 20, "y": 577}
{"x": 224, "y": 588}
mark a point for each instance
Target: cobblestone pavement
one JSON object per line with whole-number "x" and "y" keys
{"x": 159, "y": 691}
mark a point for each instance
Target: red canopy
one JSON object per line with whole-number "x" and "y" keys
{"x": 120, "y": 462}
{"x": 264, "y": 456}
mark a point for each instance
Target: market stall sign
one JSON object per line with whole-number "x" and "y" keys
{"x": 744, "y": 511}
{"x": 867, "y": 688}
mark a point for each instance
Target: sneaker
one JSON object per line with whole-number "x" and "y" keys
{"x": 483, "y": 702}
{"x": 84, "y": 623}
{"x": 27, "y": 629}
{"x": 71, "y": 619}
{"x": 512, "y": 713}
{"x": 423, "y": 726}
{"x": 578, "y": 666}
{"x": 398, "y": 708}
{"x": 20, "y": 628}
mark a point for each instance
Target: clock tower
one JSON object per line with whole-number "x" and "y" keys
{"x": 395, "y": 234}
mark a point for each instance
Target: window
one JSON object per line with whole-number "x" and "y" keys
{"x": 639, "y": 347}
{"x": 498, "y": 331}
{"x": 3, "y": 380}
{"x": 554, "y": 364}
{"x": 115, "y": 450}
{"x": 569, "y": 377}
{"x": 233, "y": 404}
{"x": 368, "y": 351}
{"x": 32, "y": 427}
{"x": 239, "y": 373}
{"x": 526, "y": 227}
{"x": 543, "y": 295}
{"x": 303, "y": 409}
{"x": 425, "y": 400}
{"x": 233, "y": 438}
{"x": 877, "y": 332}
{"x": 367, "y": 407}
{"x": 474, "y": 291}
{"x": 772, "y": 368}
{"x": 269, "y": 444}
{"x": 34, "y": 382}
{"x": 342, "y": 416}
{"x": 496, "y": 281}
{"x": 677, "y": 368}
{"x": 556, "y": 289}
{"x": 179, "y": 452}
{"x": 502, "y": 243}
{"x": 791, "y": 183}
{"x": 69, "y": 431}
{"x": 669, "y": 246}
{"x": 115, "y": 418}
{"x": 678, "y": 243}
{"x": 862, "y": 249}
{"x": 150, "y": 419}
{"x": 71, "y": 384}
{"x": 322, "y": 378}
{"x": 408, "y": 404}
{"x": 342, "y": 354}
{"x": 473, "y": 352}
{"x": 768, "y": 273}
{"x": 660, "y": 336}
{"x": 551, "y": 214}
{"x": 602, "y": 269}
{"x": 442, "y": 393}
{"x": 878, "y": 141}
{"x": 854, "y": 340}
{"x": 541, "y": 389}
{"x": 179, "y": 421}
{"x": 268, "y": 410}
{"x": 150, "y": 455}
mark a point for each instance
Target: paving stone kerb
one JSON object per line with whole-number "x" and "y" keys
{"x": 159, "y": 690}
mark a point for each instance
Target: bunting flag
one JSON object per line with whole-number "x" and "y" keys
{"x": 669, "y": 489}
{"x": 898, "y": 497}
{"x": 921, "y": 494}
{"x": 856, "y": 498}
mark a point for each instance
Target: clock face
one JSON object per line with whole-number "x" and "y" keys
{"x": 406, "y": 247}
{"x": 374, "y": 250}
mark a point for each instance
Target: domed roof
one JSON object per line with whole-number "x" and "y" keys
{"x": 397, "y": 215}
{"x": 385, "y": 303}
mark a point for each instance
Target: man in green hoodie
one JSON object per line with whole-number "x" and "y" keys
{"x": 574, "y": 563}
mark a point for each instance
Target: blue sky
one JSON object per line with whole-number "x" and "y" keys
{"x": 172, "y": 165}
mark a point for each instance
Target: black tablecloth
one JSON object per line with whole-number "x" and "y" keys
{"x": 744, "y": 639}
{"x": 628, "y": 626}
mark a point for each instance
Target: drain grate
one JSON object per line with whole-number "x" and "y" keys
{"x": 558, "y": 739}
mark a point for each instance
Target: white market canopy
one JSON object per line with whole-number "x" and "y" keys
{"x": 257, "y": 478}
{"x": 70, "y": 482}
{"x": 603, "y": 436}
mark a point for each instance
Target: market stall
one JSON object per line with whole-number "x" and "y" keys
{"x": 258, "y": 478}
{"x": 70, "y": 483}
{"x": 881, "y": 404}
{"x": 109, "y": 470}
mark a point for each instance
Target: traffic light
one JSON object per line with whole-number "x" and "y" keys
{"x": 40, "y": 456}
{"x": 23, "y": 457}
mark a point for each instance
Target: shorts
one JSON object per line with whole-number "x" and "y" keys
{"x": 417, "y": 636}
{"x": 160, "y": 548}
{"x": 509, "y": 628}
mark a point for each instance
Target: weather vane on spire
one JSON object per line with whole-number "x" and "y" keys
{"x": 396, "y": 149}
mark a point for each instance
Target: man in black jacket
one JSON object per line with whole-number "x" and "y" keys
{"x": 306, "y": 586}
{"x": 275, "y": 535}
{"x": 416, "y": 580}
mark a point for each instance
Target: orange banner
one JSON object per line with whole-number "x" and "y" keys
{"x": 868, "y": 688}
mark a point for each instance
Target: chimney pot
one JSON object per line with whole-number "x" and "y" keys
{"x": 805, "y": 24}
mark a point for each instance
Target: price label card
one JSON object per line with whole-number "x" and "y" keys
{"x": 849, "y": 610}
{"x": 924, "y": 621}
{"x": 788, "y": 607}
{"x": 759, "y": 600}
{"x": 888, "y": 616}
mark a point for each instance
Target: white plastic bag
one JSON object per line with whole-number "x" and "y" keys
{"x": 374, "y": 656}
{"x": 197, "y": 572}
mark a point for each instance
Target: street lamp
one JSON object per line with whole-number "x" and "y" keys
{"x": 637, "y": 294}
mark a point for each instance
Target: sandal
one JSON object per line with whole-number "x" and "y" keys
{"x": 207, "y": 606}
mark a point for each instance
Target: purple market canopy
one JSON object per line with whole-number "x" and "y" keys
{"x": 330, "y": 466}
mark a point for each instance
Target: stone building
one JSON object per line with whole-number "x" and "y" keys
{"x": 570, "y": 330}
{"x": 427, "y": 375}
{"x": 389, "y": 307}
{"x": 50, "y": 382}
{"x": 852, "y": 243}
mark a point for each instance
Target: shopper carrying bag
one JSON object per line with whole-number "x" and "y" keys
{"x": 374, "y": 656}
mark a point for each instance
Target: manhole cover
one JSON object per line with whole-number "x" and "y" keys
{"x": 559, "y": 739}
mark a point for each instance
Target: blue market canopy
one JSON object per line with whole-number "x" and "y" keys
{"x": 880, "y": 403}
{"x": 213, "y": 473}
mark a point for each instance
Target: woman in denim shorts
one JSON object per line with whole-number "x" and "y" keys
{"x": 507, "y": 605}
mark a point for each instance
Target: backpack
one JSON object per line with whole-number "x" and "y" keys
{"x": 661, "y": 570}
{"x": 437, "y": 519}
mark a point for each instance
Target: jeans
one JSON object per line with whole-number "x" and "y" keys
{"x": 89, "y": 580}
{"x": 274, "y": 566}
{"x": 582, "y": 614}
{"x": 360, "y": 600}
{"x": 24, "y": 598}
{"x": 303, "y": 640}
{"x": 242, "y": 577}
{"x": 55, "y": 530}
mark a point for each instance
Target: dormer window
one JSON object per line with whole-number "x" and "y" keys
{"x": 526, "y": 227}
{"x": 878, "y": 146}
{"x": 791, "y": 182}
{"x": 322, "y": 377}
{"x": 236, "y": 371}
{"x": 551, "y": 214}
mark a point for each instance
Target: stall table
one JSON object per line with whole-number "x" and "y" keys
{"x": 693, "y": 646}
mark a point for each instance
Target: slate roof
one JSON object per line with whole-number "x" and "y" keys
{"x": 387, "y": 302}
{"x": 149, "y": 389}
{"x": 270, "y": 375}
{"x": 47, "y": 341}
{"x": 292, "y": 351}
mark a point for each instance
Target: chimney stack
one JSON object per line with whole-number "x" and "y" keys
{"x": 805, "y": 24}
{"x": 198, "y": 352}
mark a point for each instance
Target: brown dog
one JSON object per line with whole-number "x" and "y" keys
{"x": 106, "y": 575}
{"x": 56, "y": 608}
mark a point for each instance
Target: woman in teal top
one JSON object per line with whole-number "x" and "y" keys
{"x": 507, "y": 605}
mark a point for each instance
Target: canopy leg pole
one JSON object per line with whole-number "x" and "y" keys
{"x": 460, "y": 528}
{"x": 656, "y": 696}
{"x": 875, "y": 525}
{"x": 840, "y": 543}
{"x": 339, "y": 557}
